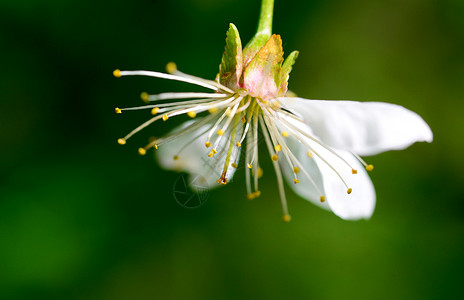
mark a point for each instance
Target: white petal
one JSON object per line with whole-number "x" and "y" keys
{"x": 193, "y": 159}
{"x": 305, "y": 188}
{"x": 366, "y": 128}
{"x": 359, "y": 204}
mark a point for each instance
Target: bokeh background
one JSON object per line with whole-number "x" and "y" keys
{"x": 84, "y": 218}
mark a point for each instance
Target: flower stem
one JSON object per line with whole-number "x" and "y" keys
{"x": 265, "y": 18}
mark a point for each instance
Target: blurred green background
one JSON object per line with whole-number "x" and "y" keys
{"x": 84, "y": 218}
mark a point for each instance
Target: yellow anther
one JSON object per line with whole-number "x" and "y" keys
{"x": 142, "y": 151}
{"x": 192, "y": 114}
{"x": 286, "y": 218}
{"x": 278, "y": 148}
{"x": 117, "y": 73}
{"x": 238, "y": 144}
{"x": 212, "y": 110}
{"x": 296, "y": 181}
{"x": 275, "y": 105}
{"x": 220, "y": 132}
{"x": 117, "y": 110}
{"x": 210, "y": 154}
{"x": 260, "y": 172}
{"x": 275, "y": 157}
{"x": 214, "y": 151}
{"x": 208, "y": 144}
{"x": 285, "y": 133}
{"x": 309, "y": 154}
{"x": 257, "y": 194}
{"x": 234, "y": 165}
{"x": 175, "y": 157}
{"x": 228, "y": 112}
{"x": 155, "y": 146}
{"x": 370, "y": 168}
{"x": 354, "y": 171}
{"x": 121, "y": 141}
{"x": 171, "y": 67}
{"x": 165, "y": 117}
{"x": 243, "y": 120}
{"x": 296, "y": 170}
{"x": 349, "y": 191}
{"x": 249, "y": 166}
{"x": 155, "y": 110}
{"x": 250, "y": 196}
{"x": 144, "y": 97}
{"x": 322, "y": 199}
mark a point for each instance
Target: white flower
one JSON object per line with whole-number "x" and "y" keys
{"x": 314, "y": 144}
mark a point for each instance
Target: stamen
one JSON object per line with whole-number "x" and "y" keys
{"x": 349, "y": 191}
{"x": 278, "y": 148}
{"x": 144, "y": 97}
{"x": 175, "y": 157}
{"x": 121, "y": 141}
{"x": 369, "y": 168}
{"x": 286, "y": 218}
{"x": 196, "y": 81}
{"x": 296, "y": 181}
{"x": 208, "y": 144}
{"x": 285, "y": 133}
{"x": 296, "y": 170}
{"x": 275, "y": 157}
{"x": 117, "y": 110}
{"x": 165, "y": 117}
{"x": 142, "y": 151}
{"x": 155, "y": 110}
{"x": 322, "y": 199}
{"x": 192, "y": 114}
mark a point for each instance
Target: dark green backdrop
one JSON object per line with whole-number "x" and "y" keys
{"x": 84, "y": 218}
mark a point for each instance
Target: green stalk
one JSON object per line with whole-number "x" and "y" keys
{"x": 265, "y": 18}
{"x": 264, "y": 31}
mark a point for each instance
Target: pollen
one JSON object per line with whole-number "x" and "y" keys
{"x": 155, "y": 110}
{"x": 228, "y": 112}
{"x": 121, "y": 141}
{"x": 286, "y": 218}
{"x": 165, "y": 117}
{"x": 238, "y": 144}
{"x": 175, "y": 157}
{"x": 171, "y": 67}
{"x": 220, "y": 132}
{"x": 309, "y": 154}
{"x": 285, "y": 133}
{"x": 275, "y": 157}
{"x": 278, "y": 148}
{"x": 234, "y": 165}
{"x": 353, "y": 171}
{"x": 250, "y": 196}
{"x": 296, "y": 170}
{"x": 322, "y": 199}
{"x": 117, "y": 73}
{"x": 142, "y": 151}
{"x": 296, "y": 180}
{"x": 192, "y": 114}
{"x": 369, "y": 168}
{"x": 249, "y": 166}
{"x": 155, "y": 146}
{"x": 213, "y": 151}
{"x": 243, "y": 120}
{"x": 144, "y": 97}
{"x": 210, "y": 154}
{"x": 208, "y": 144}
{"x": 212, "y": 110}
{"x": 117, "y": 110}
{"x": 349, "y": 191}
{"x": 257, "y": 194}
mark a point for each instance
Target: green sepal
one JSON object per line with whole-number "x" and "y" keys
{"x": 231, "y": 65}
{"x": 285, "y": 72}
